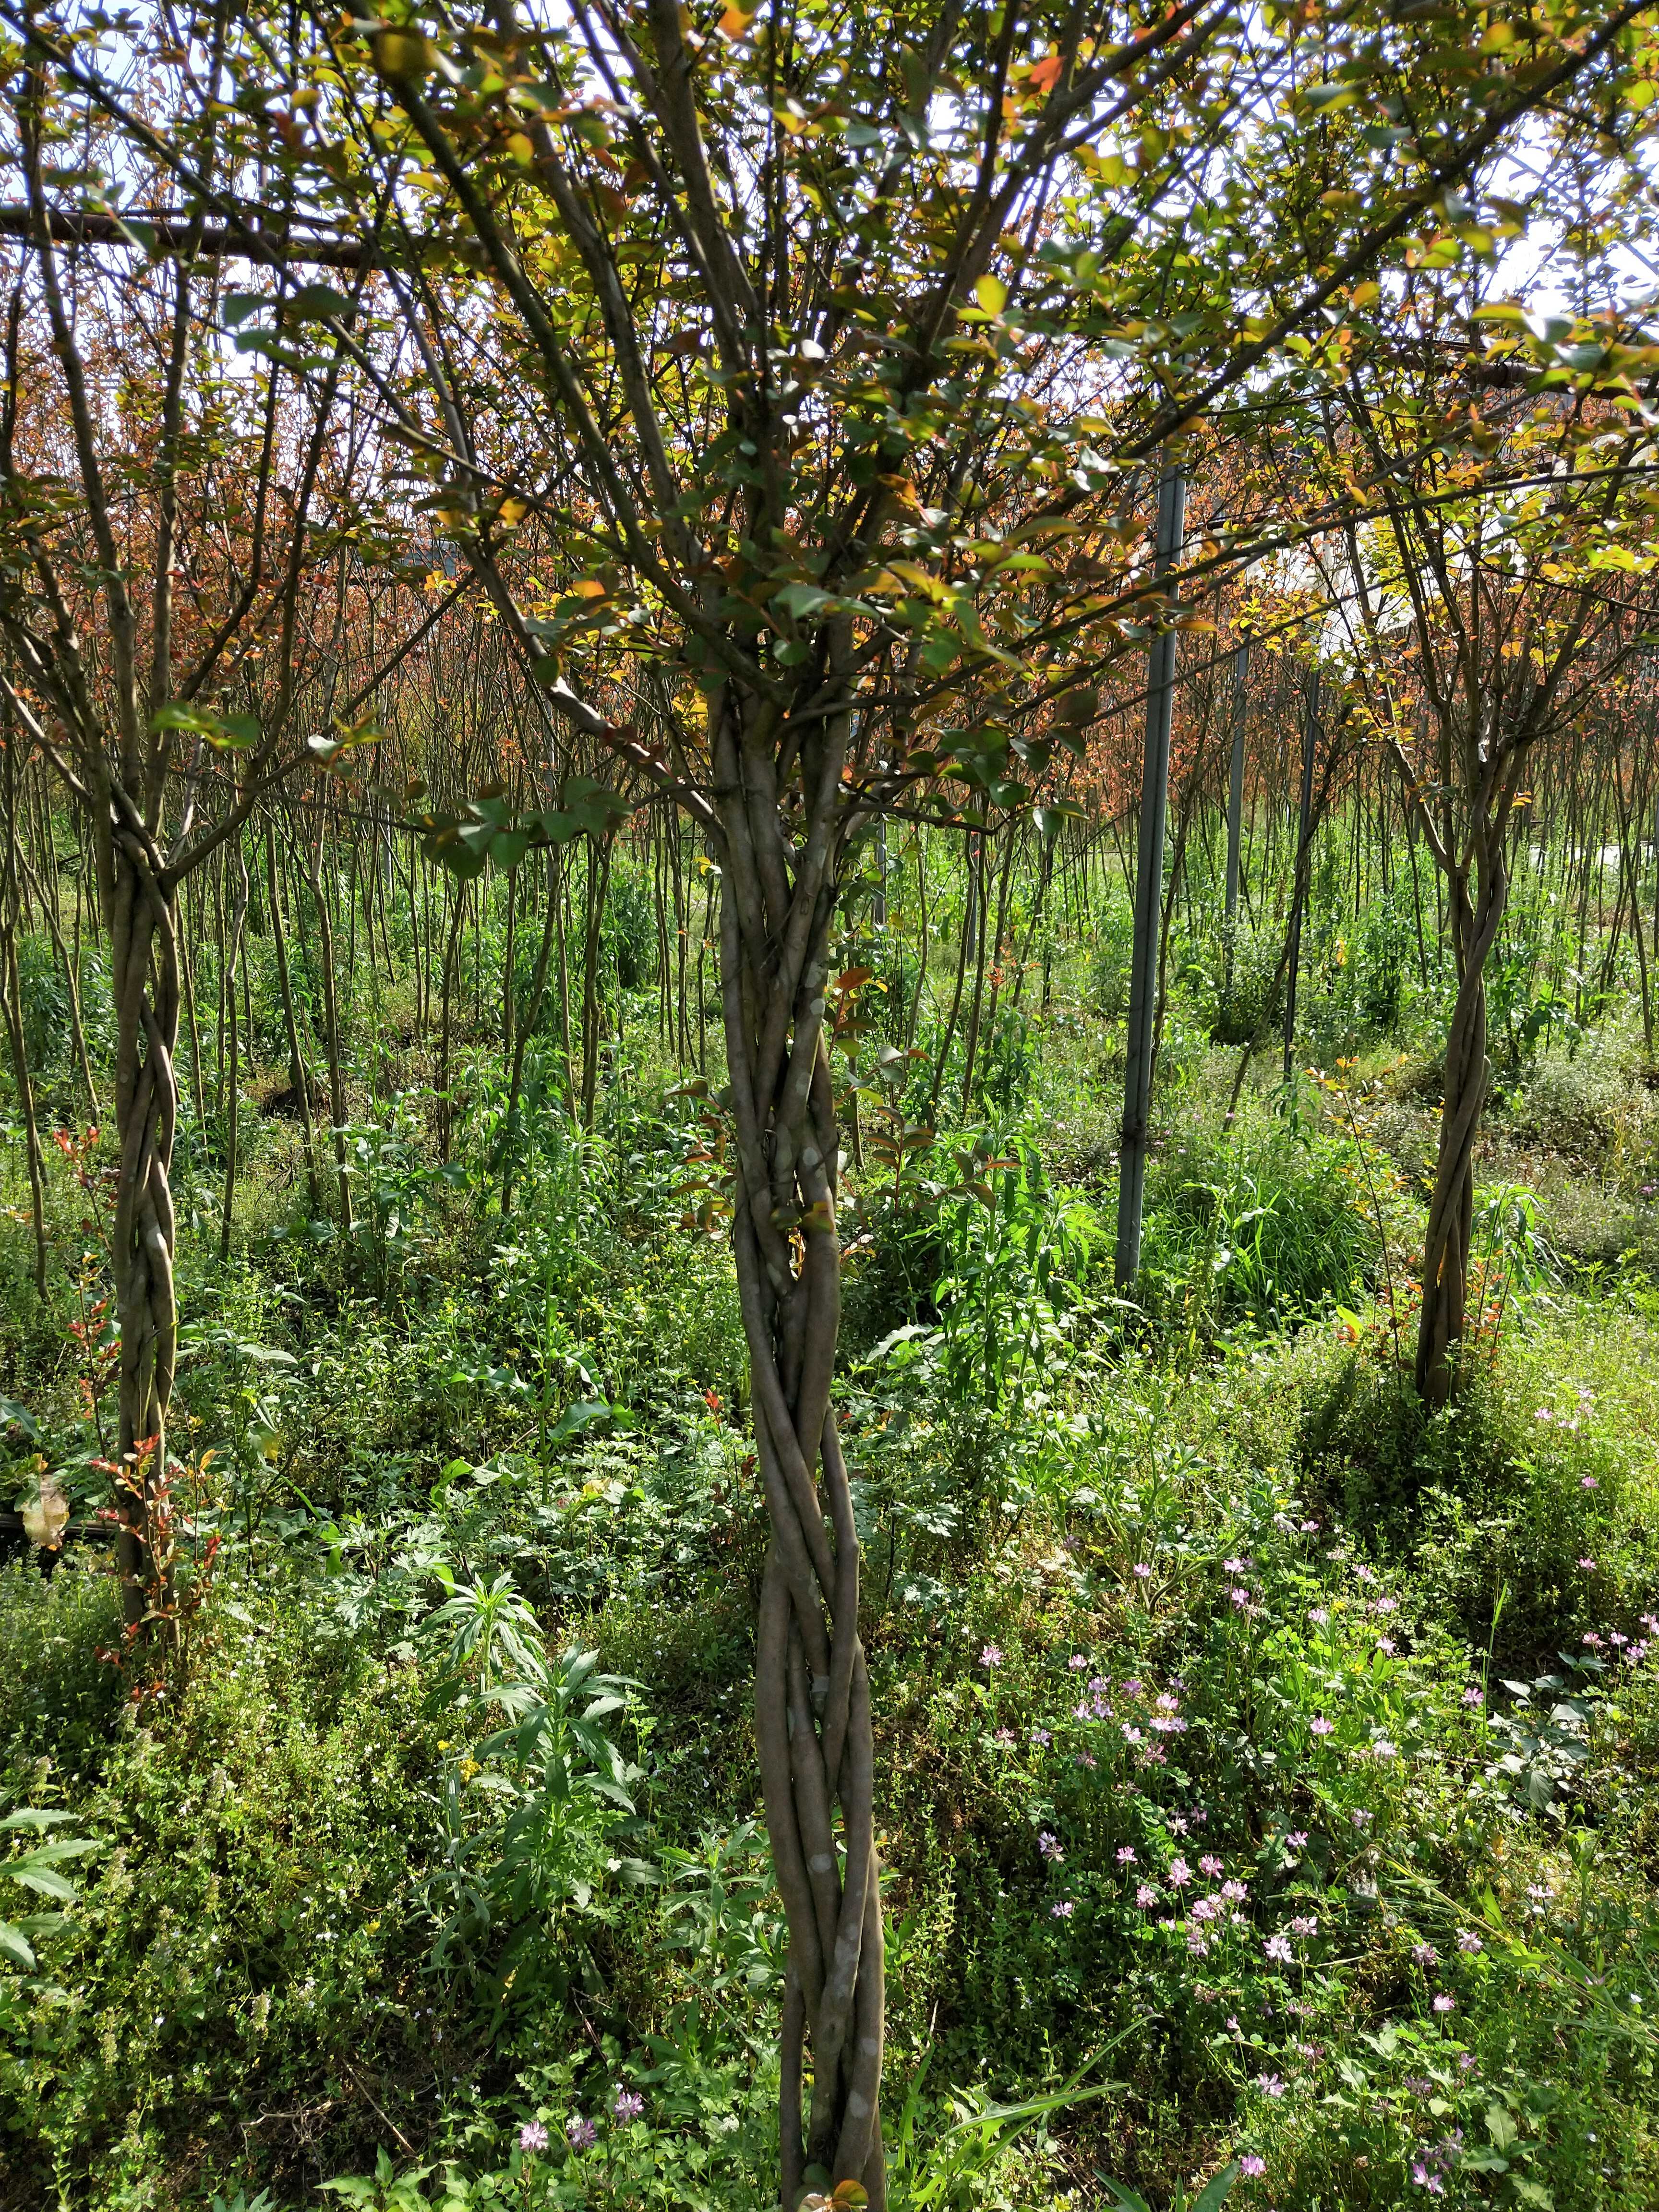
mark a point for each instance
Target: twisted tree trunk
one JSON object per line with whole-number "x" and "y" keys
{"x": 1475, "y": 920}
{"x": 811, "y": 1687}
{"x": 144, "y": 980}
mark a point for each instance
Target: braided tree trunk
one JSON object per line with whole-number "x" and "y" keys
{"x": 144, "y": 978}
{"x": 777, "y": 786}
{"x": 1475, "y": 920}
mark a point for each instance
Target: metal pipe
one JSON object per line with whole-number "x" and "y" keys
{"x": 1149, "y": 894}
{"x": 1299, "y": 882}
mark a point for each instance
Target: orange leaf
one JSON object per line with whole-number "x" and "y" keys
{"x": 1046, "y": 74}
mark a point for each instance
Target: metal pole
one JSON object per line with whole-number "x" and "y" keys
{"x": 1236, "y": 790}
{"x": 1310, "y": 739}
{"x": 1149, "y": 894}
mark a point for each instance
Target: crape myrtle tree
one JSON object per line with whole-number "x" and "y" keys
{"x": 796, "y": 383}
{"x": 844, "y": 345}
{"x": 1488, "y": 609}
{"x": 179, "y": 525}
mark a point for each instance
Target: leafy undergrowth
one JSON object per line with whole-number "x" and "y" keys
{"x": 1268, "y": 1772}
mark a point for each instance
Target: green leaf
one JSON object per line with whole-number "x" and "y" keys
{"x": 1216, "y": 2191}
{"x": 1126, "y": 2200}
{"x": 315, "y": 303}
{"x": 596, "y": 807}
{"x": 14, "y": 1945}
{"x": 576, "y": 1420}
{"x": 1500, "y": 2126}
{"x": 224, "y": 732}
{"x": 801, "y": 600}
{"x": 992, "y": 293}
{"x": 41, "y": 1879}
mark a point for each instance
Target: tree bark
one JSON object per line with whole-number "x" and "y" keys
{"x": 144, "y": 980}
{"x": 1476, "y": 915}
{"x": 811, "y": 1688}
{"x": 337, "y": 1098}
{"x": 299, "y": 1074}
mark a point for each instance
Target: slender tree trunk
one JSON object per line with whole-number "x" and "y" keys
{"x": 923, "y": 948}
{"x": 522, "y": 1027}
{"x": 11, "y": 989}
{"x": 298, "y": 1074}
{"x": 337, "y": 1098}
{"x": 233, "y": 955}
{"x": 1476, "y": 914}
{"x": 970, "y": 910}
{"x": 451, "y": 942}
{"x": 981, "y": 864}
{"x": 561, "y": 902}
{"x": 598, "y": 880}
{"x": 47, "y": 888}
{"x": 189, "y": 970}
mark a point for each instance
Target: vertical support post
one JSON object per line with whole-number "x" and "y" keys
{"x": 1235, "y": 792}
{"x": 1299, "y": 891}
{"x": 1149, "y": 893}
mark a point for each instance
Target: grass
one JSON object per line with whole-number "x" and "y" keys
{"x": 1232, "y": 1715}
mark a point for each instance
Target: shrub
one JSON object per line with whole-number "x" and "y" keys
{"x": 1257, "y": 1230}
